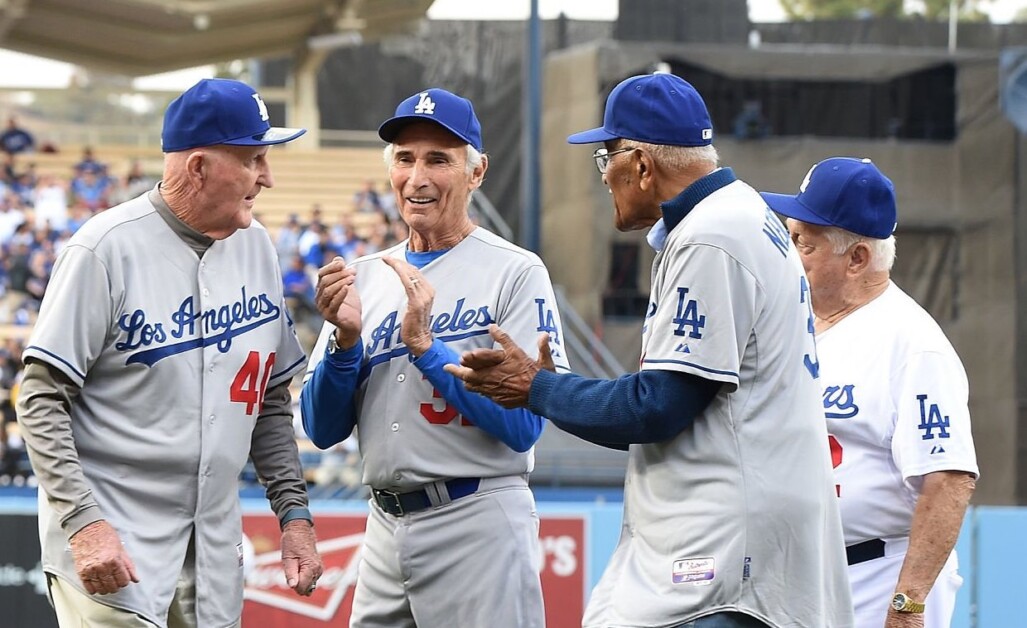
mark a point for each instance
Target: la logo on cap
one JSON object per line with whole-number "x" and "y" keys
{"x": 805, "y": 181}
{"x": 425, "y": 104}
{"x": 261, "y": 107}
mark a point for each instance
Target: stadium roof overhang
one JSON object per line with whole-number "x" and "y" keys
{"x": 141, "y": 37}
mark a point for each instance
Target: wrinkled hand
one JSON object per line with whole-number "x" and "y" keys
{"x": 300, "y": 560}
{"x": 415, "y": 331}
{"x": 904, "y": 620}
{"x": 338, "y": 302}
{"x": 101, "y": 561}
{"x": 503, "y": 375}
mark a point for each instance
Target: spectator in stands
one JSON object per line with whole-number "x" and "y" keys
{"x": 137, "y": 181}
{"x": 79, "y": 215}
{"x": 91, "y": 188}
{"x": 89, "y": 163}
{"x": 15, "y": 139}
{"x": 23, "y": 188}
{"x": 344, "y": 237}
{"x": 17, "y": 264}
{"x": 297, "y": 281}
{"x": 50, "y": 202}
{"x": 311, "y": 232}
{"x": 387, "y": 202}
{"x": 366, "y": 200}
{"x": 11, "y": 216}
{"x": 287, "y": 241}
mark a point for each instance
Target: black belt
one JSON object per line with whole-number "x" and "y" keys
{"x": 867, "y": 550}
{"x": 399, "y": 504}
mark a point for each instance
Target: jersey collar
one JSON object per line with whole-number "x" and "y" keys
{"x": 675, "y": 210}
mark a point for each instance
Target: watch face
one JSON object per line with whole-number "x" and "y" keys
{"x": 899, "y": 601}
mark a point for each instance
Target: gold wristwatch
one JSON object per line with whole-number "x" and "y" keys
{"x": 902, "y": 603}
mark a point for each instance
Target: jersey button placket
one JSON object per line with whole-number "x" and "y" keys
{"x": 400, "y": 378}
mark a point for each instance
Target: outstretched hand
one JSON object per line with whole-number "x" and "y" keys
{"x": 503, "y": 375}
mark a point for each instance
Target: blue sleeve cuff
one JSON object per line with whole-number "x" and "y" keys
{"x": 345, "y": 358}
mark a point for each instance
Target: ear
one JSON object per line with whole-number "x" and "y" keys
{"x": 478, "y": 174}
{"x": 196, "y": 165}
{"x": 645, "y": 168}
{"x": 859, "y": 258}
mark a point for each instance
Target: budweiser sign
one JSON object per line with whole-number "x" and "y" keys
{"x": 270, "y": 603}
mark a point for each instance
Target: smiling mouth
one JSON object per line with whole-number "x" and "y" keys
{"x": 420, "y": 200}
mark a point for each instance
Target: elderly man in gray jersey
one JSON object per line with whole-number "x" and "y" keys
{"x": 161, "y": 361}
{"x": 730, "y": 519}
{"x": 452, "y": 536}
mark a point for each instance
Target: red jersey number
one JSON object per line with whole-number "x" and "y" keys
{"x": 250, "y": 384}
{"x": 836, "y": 459}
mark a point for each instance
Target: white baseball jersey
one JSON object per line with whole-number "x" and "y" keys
{"x": 895, "y": 396}
{"x": 173, "y": 353}
{"x": 409, "y": 435}
{"x": 737, "y": 513}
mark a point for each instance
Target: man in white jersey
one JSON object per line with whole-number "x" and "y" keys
{"x": 160, "y": 362}
{"x": 452, "y": 536}
{"x": 895, "y": 397}
{"x": 729, "y": 514}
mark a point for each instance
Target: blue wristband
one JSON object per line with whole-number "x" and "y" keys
{"x": 296, "y": 513}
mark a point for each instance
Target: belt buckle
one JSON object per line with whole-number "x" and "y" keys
{"x": 383, "y": 494}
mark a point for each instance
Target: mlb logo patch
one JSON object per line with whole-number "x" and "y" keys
{"x": 694, "y": 571}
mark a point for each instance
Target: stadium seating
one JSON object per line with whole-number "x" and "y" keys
{"x": 328, "y": 177}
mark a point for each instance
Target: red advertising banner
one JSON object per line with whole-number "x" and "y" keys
{"x": 270, "y": 604}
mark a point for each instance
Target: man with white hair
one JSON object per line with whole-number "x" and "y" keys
{"x": 895, "y": 399}
{"x": 452, "y": 533}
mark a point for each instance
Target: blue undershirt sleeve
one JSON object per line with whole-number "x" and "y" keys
{"x": 327, "y": 399}
{"x": 646, "y": 407}
{"x": 519, "y": 428}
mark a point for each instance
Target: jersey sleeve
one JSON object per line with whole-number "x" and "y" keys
{"x": 75, "y": 317}
{"x": 531, "y": 310}
{"x": 932, "y": 429}
{"x": 704, "y": 313}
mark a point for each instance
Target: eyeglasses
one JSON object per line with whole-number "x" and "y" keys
{"x": 602, "y": 157}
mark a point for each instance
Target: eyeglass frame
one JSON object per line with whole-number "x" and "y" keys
{"x": 604, "y": 155}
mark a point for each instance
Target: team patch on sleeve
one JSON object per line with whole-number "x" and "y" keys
{"x": 688, "y": 321}
{"x": 932, "y": 423}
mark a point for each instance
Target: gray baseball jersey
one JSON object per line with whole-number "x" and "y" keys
{"x": 173, "y": 353}
{"x": 409, "y": 435}
{"x": 738, "y": 513}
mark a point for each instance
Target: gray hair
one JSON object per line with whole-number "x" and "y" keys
{"x": 474, "y": 157}
{"x": 882, "y": 250}
{"x": 677, "y": 157}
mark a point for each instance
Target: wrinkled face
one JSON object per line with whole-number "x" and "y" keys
{"x": 632, "y": 210}
{"x": 430, "y": 179}
{"x": 825, "y": 269}
{"x": 234, "y": 177}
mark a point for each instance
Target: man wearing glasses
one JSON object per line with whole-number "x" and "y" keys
{"x": 730, "y": 518}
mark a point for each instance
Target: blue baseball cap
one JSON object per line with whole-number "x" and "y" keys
{"x": 844, "y": 192}
{"x": 220, "y": 111}
{"x": 452, "y": 112}
{"x": 653, "y": 108}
